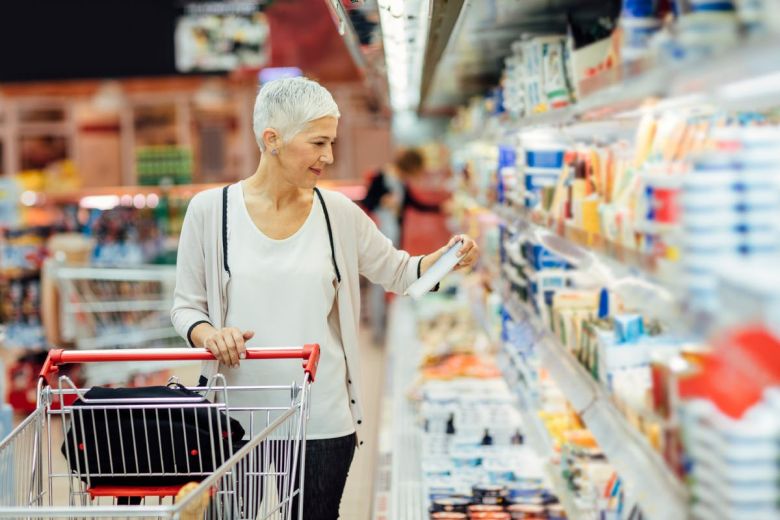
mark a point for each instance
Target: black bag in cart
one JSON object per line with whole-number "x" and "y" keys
{"x": 126, "y": 446}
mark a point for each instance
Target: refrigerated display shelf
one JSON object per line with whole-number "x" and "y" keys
{"x": 536, "y": 433}
{"x": 718, "y": 80}
{"x": 659, "y": 492}
{"x": 660, "y": 276}
{"x": 407, "y": 494}
{"x": 401, "y": 438}
{"x": 644, "y": 263}
{"x": 564, "y": 495}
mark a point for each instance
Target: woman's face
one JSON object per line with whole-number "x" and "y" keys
{"x": 304, "y": 158}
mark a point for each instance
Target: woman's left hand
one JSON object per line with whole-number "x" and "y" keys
{"x": 469, "y": 251}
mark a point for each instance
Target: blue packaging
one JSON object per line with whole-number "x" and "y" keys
{"x": 639, "y": 8}
{"x": 541, "y": 258}
{"x": 518, "y": 492}
{"x": 544, "y": 156}
{"x": 638, "y": 31}
{"x": 507, "y": 158}
{"x": 712, "y": 6}
{"x": 628, "y": 328}
{"x": 497, "y": 95}
{"x": 650, "y": 213}
{"x": 536, "y": 180}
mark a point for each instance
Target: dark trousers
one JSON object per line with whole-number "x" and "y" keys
{"x": 325, "y": 474}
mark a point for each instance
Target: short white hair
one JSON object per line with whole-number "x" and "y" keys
{"x": 287, "y": 105}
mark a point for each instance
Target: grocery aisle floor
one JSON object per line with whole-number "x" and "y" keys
{"x": 359, "y": 494}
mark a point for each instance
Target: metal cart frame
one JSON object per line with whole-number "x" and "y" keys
{"x": 240, "y": 487}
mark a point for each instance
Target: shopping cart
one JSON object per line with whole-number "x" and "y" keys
{"x": 263, "y": 478}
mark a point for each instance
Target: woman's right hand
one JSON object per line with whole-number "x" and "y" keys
{"x": 228, "y": 345}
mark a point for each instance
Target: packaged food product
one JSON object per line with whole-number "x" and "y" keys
{"x": 450, "y": 505}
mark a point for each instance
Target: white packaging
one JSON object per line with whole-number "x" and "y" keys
{"x": 435, "y": 273}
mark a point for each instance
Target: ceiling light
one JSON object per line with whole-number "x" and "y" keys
{"x": 404, "y": 32}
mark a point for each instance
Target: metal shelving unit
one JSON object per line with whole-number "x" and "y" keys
{"x": 646, "y": 264}
{"x": 400, "y": 437}
{"x": 741, "y": 78}
{"x": 537, "y": 434}
{"x": 351, "y": 189}
{"x": 658, "y": 491}
{"x": 719, "y": 80}
{"x": 623, "y": 261}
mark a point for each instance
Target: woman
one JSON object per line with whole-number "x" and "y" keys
{"x": 273, "y": 261}
{"x": 387, "y": 198}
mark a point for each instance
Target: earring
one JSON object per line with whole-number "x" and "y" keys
{"x": 274, "y": 152}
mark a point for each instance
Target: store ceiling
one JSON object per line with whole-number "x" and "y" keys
{"x": 468, "y": 40}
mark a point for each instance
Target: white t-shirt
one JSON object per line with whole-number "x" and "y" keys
{"x": 285, "y": 291}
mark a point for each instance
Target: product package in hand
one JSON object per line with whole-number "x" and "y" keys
{"x": 435, "y": 273}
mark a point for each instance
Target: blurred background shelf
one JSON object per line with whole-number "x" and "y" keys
{"x": 350, "y": 188}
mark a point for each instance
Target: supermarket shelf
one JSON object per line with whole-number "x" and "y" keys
{"x": 536, "y": 433}
{"x": 407, "y": 496}
{"x": 644, "y": 263}
{"x": 126, "y": 338}
{"x": 137, "y": 273}
{"x": 658, "y": 491}
{"x": 120, "y": 306}
{"x": 351, "y": 189}
{"x": 658, "y": 277}
{"x": 620, "y": 92}
{"x": 564, "y": 495}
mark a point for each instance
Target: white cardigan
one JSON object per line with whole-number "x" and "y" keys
{"x": 360, "y": 248}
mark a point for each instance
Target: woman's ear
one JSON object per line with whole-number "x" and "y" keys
{"x": 271, "y": 139}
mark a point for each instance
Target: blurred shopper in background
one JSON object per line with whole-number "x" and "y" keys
{"x": 388, "y": 197}
{"x": 274, "y": 261}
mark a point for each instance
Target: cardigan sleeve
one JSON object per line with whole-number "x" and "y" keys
{"x": 190, "y": 303}
{"x": 379, "y": 260}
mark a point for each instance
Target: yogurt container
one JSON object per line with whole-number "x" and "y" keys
{"x": 450, "y": 505}
{"x": 544, "y": 155}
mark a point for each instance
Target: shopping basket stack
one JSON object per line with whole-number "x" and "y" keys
{"x": 157, "y": 452}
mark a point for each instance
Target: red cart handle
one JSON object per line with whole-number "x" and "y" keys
{"x": 309, "y": 353}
